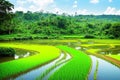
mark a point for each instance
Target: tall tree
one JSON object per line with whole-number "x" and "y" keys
{"x": 5, "y": 15}
{"x": 5, "y": 10}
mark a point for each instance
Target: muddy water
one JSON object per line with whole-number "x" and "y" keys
{"x": 106, "y": 70}
{"x": 32, "y": 75}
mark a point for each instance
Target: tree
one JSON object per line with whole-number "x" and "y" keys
{"x": 61, "y": 22}
{"x": 115, "y": 30}
{"x": 5, "y": 14}
{"x": 5, "y": 10}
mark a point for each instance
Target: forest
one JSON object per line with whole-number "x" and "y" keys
{"x": 46, "y": 25}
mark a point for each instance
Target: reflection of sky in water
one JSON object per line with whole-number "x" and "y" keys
{"x": 56, "y": 68}
{"x": 106, "y": 70}
{"x": 93, "y": 68}
{"x": 31, "y": 75}
{"x": 18, "y": 56}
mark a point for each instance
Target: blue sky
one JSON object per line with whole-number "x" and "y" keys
{"x": 84, "y": 7}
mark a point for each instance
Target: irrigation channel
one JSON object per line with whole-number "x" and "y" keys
{"x": 104, "y": 70}
{"x": 45, "y": 71}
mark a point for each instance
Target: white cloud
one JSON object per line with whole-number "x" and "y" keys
{"x": 57, "y": 10}
{"x": 110, "y": 0}
{"x": 111, "y": 11}
{"x": 75, "y": 4}
{"x": 41, "y": 3}
{"x": 88, "y": 12}
{"x": 84, "y": 12}
{"x": 34, "y": 5}
{"x": 20, "y": 9}
{"x": 94, "y": 1}
{"x": 20, "y": 2}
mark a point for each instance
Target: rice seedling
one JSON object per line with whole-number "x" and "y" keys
{"x": 46, "y": 53}
{"x": 76, "y": 69}
{"x": 58, "y": 63}
{"x": 117, "y": 57}
{"x": 96, "y": 70}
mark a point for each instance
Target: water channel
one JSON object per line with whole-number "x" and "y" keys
{"x": 106, "y": 70}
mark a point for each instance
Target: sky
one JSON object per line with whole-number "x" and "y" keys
{"x": 84, "y": 7}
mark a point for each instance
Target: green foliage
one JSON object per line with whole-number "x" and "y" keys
{"x": 76, "y": 69}
{"x": 115, "y": 30}
{"x": 48, "y": 24}
{"x": 89, "y": 36}
{"x": 5, "y": 16}
{"x": 7, "y": 52}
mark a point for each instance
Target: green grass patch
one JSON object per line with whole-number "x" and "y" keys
{"x": 76, "y": 69}
{"x": 46, "y": 53}
{"x": 115, "y": 57}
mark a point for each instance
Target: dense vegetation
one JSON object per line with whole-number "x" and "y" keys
{"x": 5, "y": 15}
{"x": 7, "y": 52}
{"x": 49, "y": 25}
{"x": 76, "y": 69}
{"x": 39, "y": 24}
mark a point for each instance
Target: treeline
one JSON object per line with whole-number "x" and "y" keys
{"x": 49, "y": 25}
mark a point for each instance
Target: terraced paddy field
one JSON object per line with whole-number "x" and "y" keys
{"x": 61, "y": 60}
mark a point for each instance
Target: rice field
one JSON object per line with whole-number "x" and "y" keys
{"x": 76, "y": 69}
{"x": 14, "y": 67}
{"x": 117, "y": 57}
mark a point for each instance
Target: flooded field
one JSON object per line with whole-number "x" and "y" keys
{"x": 101, "y": 69}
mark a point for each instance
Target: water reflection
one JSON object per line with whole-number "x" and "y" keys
{"x": 33, "y": 74}
{"x": 106, "y": 70}
{"x": 20, "y": 53}
{"x": 16, "y": 56}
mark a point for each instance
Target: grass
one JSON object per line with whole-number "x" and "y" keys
{"x": 117, "y": 57}
{"x": 76, "y": 69}
{"x": 46, "y": 53}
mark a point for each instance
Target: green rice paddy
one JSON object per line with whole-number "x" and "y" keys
{"x": 115, "y": 57}
{"x": 76, "y": 69}
{"x": 46, "y": 53}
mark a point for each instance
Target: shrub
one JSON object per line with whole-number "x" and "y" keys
{"x": 7, "y": 52}
{"x": 89, "y": 36}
